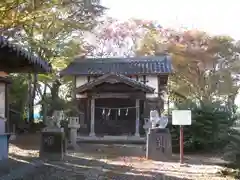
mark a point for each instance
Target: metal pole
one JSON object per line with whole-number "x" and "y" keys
{"x": 181, "y": 145}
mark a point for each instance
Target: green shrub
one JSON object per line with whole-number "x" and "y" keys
{"x": 211, "y": 125}
{"x": 232, "y": 149}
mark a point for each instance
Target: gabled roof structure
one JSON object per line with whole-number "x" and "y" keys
{"x": 112, "y": 79}
{"x": 126, "y": 66}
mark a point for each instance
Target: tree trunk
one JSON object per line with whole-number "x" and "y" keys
{"x": 32, "y": 82}
{"x": 44, "y": 104}
{"x": 29, "y": 97}
{"x": 55, "y": 97}
{"x": 32, "y": 94}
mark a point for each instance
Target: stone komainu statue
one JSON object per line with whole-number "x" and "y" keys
{"x": 154, "y": 104}
{"x": 55, "y": 120}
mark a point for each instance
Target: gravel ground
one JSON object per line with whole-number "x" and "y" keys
{"x": 74, "y": 168}
{"x": 106, "y": 162}
{"x": 113, "y": 162}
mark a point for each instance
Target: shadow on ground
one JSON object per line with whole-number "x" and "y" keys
{"x": 89, "y": 162}
{"x": 114, "y": 151}
{"x": 6, "y": 166}
{"x": 16, "y": 164}
{"x": 16, "y": 159}
{"x": 85, "y": 169}
{"x": 32, "y": 142}
{"x": 27, "y": 141}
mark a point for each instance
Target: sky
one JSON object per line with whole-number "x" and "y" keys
{"x": 213, "y": 16}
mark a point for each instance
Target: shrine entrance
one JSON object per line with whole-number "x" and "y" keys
{"x": 115, "y": 116}
{"x": 114, "y": 106}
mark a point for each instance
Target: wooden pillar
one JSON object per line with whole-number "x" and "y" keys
{"x": 7, "y": 109}
{"x": 74, "y": 88}
{"x": 92, "y": 125}
{"x": 137, "y": 118}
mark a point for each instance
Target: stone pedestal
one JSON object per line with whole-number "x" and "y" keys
{"x": 159, "y": 144}
{"x": 74, "y": 126}
{"x": 53, "y": 144}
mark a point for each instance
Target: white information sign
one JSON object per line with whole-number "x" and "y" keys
{"x": 181, "y": 117}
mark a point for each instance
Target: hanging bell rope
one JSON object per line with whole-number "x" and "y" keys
{"x": 104, "y": 109}
{"x": 107, "y": 108}
{"x": 109, "y": 112}
{"x": 126, "y": 112}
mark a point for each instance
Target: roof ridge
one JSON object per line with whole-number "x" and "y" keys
{"x": 143, "y": 65}
{"x": 120, "y": 61}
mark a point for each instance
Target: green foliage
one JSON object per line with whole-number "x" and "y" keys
{"x": 51, "y": 105}
{"x": 210, "y": 127}
{"x": 18, "y": 93}
{"x": 46, "y": 28}
{"x": 232, "y": 150}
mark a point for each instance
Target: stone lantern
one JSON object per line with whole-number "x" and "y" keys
{"x": 73, "y": 125}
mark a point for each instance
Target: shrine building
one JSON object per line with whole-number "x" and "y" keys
{"x": 115, "y": 95}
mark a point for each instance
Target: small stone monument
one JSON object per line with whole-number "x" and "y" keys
{"x": 159, "y": 141}
{"x": 53, "y": 144}
{"x": 74, "y": 125}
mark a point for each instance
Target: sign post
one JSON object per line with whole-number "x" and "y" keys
{"x": 181, "y": 144}
{"x": 181, "y": 118}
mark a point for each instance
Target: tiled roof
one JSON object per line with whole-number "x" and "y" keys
{"x": 136, "y": 65}
{"x": 118, "y": 78}
{"x": 21, "y": 54}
